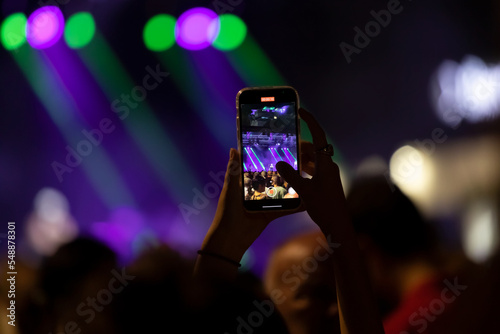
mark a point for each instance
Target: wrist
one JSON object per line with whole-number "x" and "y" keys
{"x": 224, "y": 243}
{"x": 341, "y": 230}
{"x": 219, "y": 257}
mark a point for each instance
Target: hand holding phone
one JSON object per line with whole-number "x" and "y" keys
{"x": 323, "y": 194}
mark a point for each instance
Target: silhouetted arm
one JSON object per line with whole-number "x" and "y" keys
{"x": 325, "y": 202}
{"x": 233, "y": 229}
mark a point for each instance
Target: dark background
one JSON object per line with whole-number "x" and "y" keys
{"x": 370, "y": 106}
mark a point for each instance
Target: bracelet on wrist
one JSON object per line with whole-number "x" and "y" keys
{"x": 220, "y": 257}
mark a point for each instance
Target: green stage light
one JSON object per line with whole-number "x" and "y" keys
{"x": 232, "y": 32}
{"x": 80, "y": 29}
{"x": 159, "y": 32}
{"x": 13, "y": 31}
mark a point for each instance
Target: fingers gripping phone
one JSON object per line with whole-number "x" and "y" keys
{"x": 268, "y": 132}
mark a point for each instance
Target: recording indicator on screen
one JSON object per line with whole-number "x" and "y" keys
{"x": 267, "y": 99}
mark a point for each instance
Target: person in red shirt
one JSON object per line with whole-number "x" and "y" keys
{"x": 400, "y": 251}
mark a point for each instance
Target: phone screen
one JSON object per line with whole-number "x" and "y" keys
{"x": 268, "y": 132}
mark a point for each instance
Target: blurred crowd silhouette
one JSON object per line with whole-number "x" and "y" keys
{"x": 419, "y": 286}
{"x": 266, "y": 185}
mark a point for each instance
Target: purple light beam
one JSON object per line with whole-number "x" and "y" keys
{"x": 197, "y": 28}
{"x": 45, "y": 27}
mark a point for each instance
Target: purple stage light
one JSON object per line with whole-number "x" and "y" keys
{"x": 248, "y": 153}
{"x": 286, "y": 156}
{"x": 197, "y": 28}
{"x": 122, "y": 228}
{"x": 273, "y": 155}
{"x": 45, "y": 27}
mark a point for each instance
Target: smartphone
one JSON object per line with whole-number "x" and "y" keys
{"x": 268, "y": 132}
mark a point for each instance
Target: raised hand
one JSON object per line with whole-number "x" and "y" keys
{"x": 233, "y": 229}
{"x": 323, "y": 195}
{"x": 325, "y": 202}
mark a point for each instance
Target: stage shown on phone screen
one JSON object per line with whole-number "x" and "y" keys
{"x": 268, "y": 134}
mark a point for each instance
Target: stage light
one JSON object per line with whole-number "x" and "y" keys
{"x": 273, "y": 154}
{"x": 413, "y": 172}
{"x": 275, "y": 150}
{"x": 291, "y": 154}
{"x": 253, "y": 163}
{"x": 286, "y": 156}
{"x": 159, "y": 32}
{"x": 80, "y": 29}
{"x": 264, "y": 168}
{"x": 468, "y": 90}
{"x": 50, "y": 225}
{"x": 197, "y": 28}
{"x": 13, "y": 31}
{"x": 45, "y": 27}
{"x": 123, "y": 226}
{"x": 480, "y": 231}
{"x": 232, "y": 32}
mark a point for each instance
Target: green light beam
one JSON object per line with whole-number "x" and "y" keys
{"x": 258, "y": 158}
{"x": 256, "y": 69}
{"x": 62, "y": 110}
{"x": 171, "y": 168}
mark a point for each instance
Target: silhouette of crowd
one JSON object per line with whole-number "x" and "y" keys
{"x": 266, "y": 185}
{"x": 374, "y": 264}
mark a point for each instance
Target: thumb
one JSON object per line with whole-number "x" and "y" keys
{"x": 291, "y": 176}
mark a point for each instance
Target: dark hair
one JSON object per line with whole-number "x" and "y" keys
{"x": 74, "y": 263}
{"x": 382, "y": 212}
{"x": 277, "y": 181}
{"x": 64, "y": 280}
{"x": 258, "y": 180}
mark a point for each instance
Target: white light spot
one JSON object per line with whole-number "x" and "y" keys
{"x": 480, "y": 232}
{"x": 469, "y": 90}
{"x": 412, "y": 171}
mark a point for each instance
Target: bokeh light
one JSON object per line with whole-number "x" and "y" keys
{"x": 45, "y": 27}
{"x": 124, "y": 225}
{"x": 232, "y": 32}
{"x": 480, "y": 231}
{"x": 159, "y": 32}
{"x": 50, "y": 225}
{"x": 13, "y": 31}
{"x": 80, "y": 29}
{"x": 469, "y": 90}
{"x": 413, "y": 172}
{"x": 197, "y": 28}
